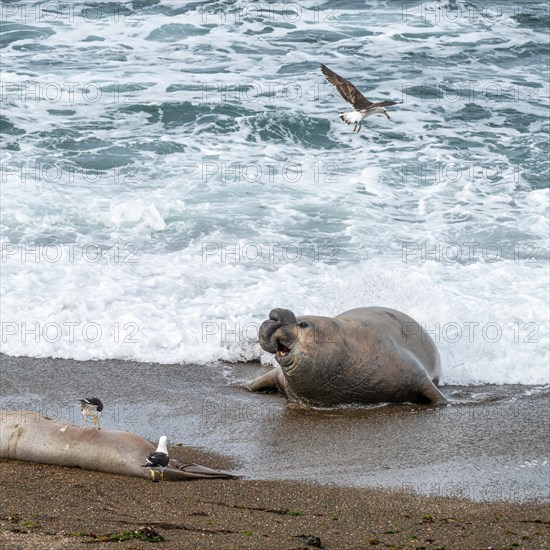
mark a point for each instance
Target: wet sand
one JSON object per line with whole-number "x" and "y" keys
{"x": 478, "y": 468}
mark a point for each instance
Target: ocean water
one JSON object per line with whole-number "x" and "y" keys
{"x": 171, "y": 171}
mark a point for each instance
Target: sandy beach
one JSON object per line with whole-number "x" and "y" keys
{"x": 471, "y": 475}
{"x": 52, "y": 507}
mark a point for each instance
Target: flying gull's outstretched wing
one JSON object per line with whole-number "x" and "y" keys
{"x": 348, "y": 91}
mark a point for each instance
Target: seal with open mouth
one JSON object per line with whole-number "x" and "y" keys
{"x": 365, "y": 355}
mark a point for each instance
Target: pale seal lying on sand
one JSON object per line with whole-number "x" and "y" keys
{"x": 27, "y": 435}
{"x": 365, "y": 355}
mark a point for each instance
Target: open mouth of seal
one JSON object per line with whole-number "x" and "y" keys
{"x": 282, "y": 350}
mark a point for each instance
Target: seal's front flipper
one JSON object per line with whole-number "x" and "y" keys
{"x": 271, "y": 381}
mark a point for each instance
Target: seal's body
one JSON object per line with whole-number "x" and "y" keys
{"x": 365, "y": 355}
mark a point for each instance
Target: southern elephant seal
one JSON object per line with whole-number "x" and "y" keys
{"x": 30, "y": 436}
{"x": 365, "y": 355}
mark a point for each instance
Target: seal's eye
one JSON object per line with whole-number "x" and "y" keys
{"x": 303, "y": 325}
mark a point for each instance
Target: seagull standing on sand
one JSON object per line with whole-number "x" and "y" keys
{"x": 91, "y": 407}
{"x": 158, "y": 460}
{"x": 362, "y": 106}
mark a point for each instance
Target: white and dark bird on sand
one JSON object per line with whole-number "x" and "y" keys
{"x": 361, "y": 105}
{"x": 158, "y": 460}
{"x": 91, "y": 407}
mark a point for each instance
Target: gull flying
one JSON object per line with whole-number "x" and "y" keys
{"x": 361, "y": 105}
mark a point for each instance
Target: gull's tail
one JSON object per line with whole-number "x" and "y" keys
{"x": 351, "y": 118}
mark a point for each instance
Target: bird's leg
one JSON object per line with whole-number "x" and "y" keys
{"x": 358, "y": 128}
{"x": 162, "y": 475}
{"x": 152, "y": 474}
{"x": 355, "y": 127}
